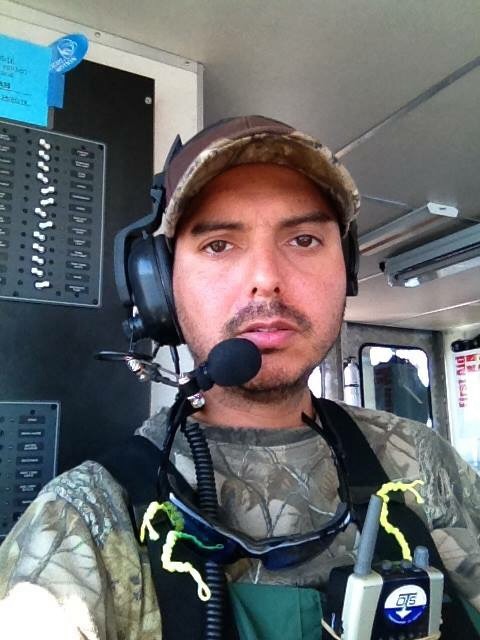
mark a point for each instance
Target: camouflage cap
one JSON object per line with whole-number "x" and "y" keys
{"x": 252, "y": 139}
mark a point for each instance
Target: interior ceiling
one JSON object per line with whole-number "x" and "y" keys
{"x": 335, "y": 70}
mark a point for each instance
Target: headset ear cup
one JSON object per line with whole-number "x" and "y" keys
{"x": 150, "y": 278}
{"x": 351, "y": 255}
{"x": 164, "y": 258}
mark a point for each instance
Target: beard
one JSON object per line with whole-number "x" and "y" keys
{"x": 279, "y": 386}
{"x": 278, "y": 382}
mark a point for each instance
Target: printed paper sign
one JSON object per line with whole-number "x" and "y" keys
{"x": 466, "y": 436}
{"x": 24, "y": 75}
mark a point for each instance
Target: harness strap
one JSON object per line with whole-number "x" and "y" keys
{"x": 134, "y": 465}
{"x": 361, "y": 463}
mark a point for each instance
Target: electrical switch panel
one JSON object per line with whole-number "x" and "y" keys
{"x": 51, "y": 216}
{"x": 28, "y": 452}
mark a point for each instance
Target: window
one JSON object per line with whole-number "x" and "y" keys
{"x": 316, "y": 382}
{"x": 395, "y": 379}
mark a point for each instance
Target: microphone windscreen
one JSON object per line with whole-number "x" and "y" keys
{"x": 233, "y": 362}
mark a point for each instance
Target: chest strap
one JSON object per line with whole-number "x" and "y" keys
{"x": 134, "y": 465}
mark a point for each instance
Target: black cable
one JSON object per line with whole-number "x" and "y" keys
{"x": 176, "y": 418}
{"x": 207, "y": 495}
{"x": 175, "y": 359}
{"x": 156, "y": 347}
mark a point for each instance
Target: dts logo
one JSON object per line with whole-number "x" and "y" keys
{"x": 405, "y": 604}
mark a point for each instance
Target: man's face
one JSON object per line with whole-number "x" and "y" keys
{"x": 258, "y": 255}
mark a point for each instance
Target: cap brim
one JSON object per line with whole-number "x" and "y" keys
{"x": 294, "y": 150}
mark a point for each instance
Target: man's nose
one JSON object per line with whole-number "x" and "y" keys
{"x": 265, "y": 273}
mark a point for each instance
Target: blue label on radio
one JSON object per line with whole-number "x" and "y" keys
{"x": 405, "y": 604}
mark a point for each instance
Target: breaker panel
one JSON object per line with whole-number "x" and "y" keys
{"x": 51, "y": 216}
{"x": 28, "y": 455}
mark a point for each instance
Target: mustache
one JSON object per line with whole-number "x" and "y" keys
{"x": 266, "y": 310}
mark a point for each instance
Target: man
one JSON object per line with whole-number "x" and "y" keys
{"x": 257, "y": 215}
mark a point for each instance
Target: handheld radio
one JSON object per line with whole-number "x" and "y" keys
{"x": 389, "y": 601}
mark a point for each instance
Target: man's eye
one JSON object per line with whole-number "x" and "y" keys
{"x": 305, "y": 241}
{"x": 217, "y": 246}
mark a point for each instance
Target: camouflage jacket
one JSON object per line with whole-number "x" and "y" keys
{"x": 74, "y": 558}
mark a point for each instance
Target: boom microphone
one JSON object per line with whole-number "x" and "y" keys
{"x": 229, "y": 364}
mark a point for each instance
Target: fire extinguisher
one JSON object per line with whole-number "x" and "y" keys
{"x": 351, "y": 383}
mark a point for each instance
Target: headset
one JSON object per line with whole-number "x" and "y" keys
{"x": 144, "y": 264}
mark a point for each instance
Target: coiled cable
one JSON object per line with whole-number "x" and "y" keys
{"x": 207, "y": 496}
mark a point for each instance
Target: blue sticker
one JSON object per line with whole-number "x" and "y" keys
{"x": 405, "y": 604}
{"x": 68, "y": 52}
{"x": 56, "y": 87}
{"x": 24, "y": 81}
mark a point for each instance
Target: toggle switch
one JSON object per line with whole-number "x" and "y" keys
{"x": 37, "y": 272}
{"x": 46, "y": 201}
{"x": 38, "y": 260}
{"x": 39, "y": 236}
{"x": 40, "y": 212}
{"x": 42, "y": 178}
{"x": 44, "y": 167}
{"x": 44, "y": 155}
{"x": 46, "y": 190}
{"x": 38, "y": 247}
{"x": 44, "y": 284}
{"x": 43, "y": 143}
{"x": 48, "y": 224}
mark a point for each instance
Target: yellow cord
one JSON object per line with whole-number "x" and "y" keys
{"x": 153, "y": 508}
{"x": 389, "y": 528}
{"x": 326, "y": 626}
{"x": 176, "y": 533}
{"x": 168, "y": 564}
{"x": 149, "y": 514}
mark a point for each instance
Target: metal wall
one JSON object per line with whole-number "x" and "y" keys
{"x": 47, "y": 349}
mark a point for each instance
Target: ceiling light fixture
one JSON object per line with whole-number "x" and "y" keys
{"x": 404, "y": 227}
{"x": 446, "y": 256}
